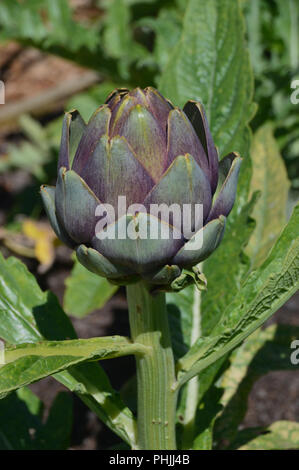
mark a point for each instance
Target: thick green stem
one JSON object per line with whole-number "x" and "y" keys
{"x": 155, "y": 370}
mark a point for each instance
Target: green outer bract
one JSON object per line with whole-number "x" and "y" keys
{"x": 140, "y": 146}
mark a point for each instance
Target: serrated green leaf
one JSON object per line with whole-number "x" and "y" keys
{"x": 270, "y": 177}
{"x": 282, "y": 435}
{"x": 27, "y": 363}
{"x": 210, "y": 64}
{"x": 29, "y": 315}
{"x": 259, "y": 296}
{"x": 81, "y": 281}
{"x": 26, "y": 313}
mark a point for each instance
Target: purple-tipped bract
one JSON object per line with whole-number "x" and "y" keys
{"x": 140, "y": 146}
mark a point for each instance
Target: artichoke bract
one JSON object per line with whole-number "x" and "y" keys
{"x": 140, "y": 147}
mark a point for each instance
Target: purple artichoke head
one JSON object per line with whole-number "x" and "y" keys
{"x": 140, "y": 151}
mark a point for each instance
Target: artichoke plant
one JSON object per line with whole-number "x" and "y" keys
{"x": 140, "y": 146}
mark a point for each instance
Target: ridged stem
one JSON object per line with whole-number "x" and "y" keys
{"x": 155, "y": 370}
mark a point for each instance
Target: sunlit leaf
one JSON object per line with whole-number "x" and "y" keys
{"x": 259, "y": 296}
{"x": 269, "y": 176}
{"x": 30, "y": 315}
{"x": 282, "y": 435}
{"x": 28, "y": 363}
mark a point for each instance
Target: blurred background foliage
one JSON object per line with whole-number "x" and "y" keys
{"x": 128, "y": 43}
{"x": 56, "y": 55}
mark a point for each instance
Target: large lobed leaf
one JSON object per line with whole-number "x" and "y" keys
{"x": 270, "y": 177}
{"x": 27, "y": 363}
{"x": 260, "y": 295}
{"x": 29, "y": 315}
{"x": 211, "y": 64}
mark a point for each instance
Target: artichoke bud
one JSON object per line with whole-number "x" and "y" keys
{"x": 140, "y": 192}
